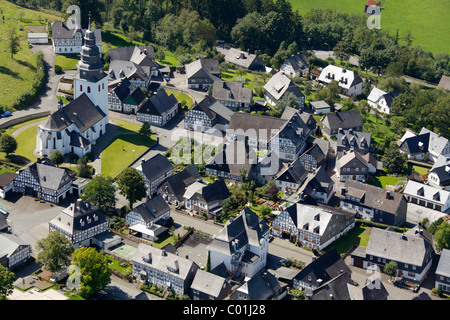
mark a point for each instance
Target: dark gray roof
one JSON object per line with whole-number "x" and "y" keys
{"x": 246, "y": 121}
{"x": 47, "y": 174}
{"x": 231, "y": 91}
{"x": 177, "y": 183}
{"x": 443, "y": 173}
{"x": 355, "y": 139}
{"x": 232, "y": 158}
{"x": 158, "y": 104}
{"x": 156, "y": 166}
{"x": 125, "y": 53}
{"x": 123, "y": 90}
{"x": 210, "y": 284}
{"x": 152, "y": 209}
{"x": 81, "y": 112}
{"x": 3, "y": 223}
{"x": 319, "y": 181}
{"x": 389, "y": 97}
{"x": 374, "y": 197}
{"x": 262, "y": 286}
{"x": 295, "y": 173}
{"x": 334, "y": 289}
{"x": 298, "y": 62}
{"x": 204, "y": 106}
{"x": 61, "y": 31}
{"x": 323, "y": 269}
{"x": 345, "y": 120}
{"x": 77, "y": 140}
{"x": 316, "y": 152}
{"x": 136, "y": 97}
{"x": 416, "y": 144}
{"x": 203, "y": 68}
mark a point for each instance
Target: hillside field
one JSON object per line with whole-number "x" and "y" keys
{"x": 17, "y": 73}
{"x": 428, "y": 21}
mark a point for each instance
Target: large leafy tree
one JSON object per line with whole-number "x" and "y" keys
{"x": 94, "y": 270}
{"x": 8, "y": 144}
{"x": 442, "y": 236}
{"x": 100, "y": 191}
{"x": 7, "y": 279}
{"x": 131, "y": 185}
{"x": 57, "y": 157}
{"x": 391, "y": 268}
{"x": 54, "y": 251}
{"x": 12, "y": 41}
{"x": 393, "y": 160}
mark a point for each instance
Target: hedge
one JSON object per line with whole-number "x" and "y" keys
{"x": 379, "y": 225}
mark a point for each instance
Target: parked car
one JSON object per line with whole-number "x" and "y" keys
{"x": 6, "y": 114}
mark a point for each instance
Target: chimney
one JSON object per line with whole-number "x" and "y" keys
{"x": 343, "y": 190}
{"x": 143, "y": 161}
{"x": 388, "y": 195}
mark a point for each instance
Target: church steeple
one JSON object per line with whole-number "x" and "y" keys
{"x": 90, "y": 66}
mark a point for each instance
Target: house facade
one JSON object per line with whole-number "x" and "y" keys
{"x": 333, "y": 122}
{"x": 290, "y": 179}
{"x": 242, "y": 245}
{"x": 202, "y": 73}
{"x": 381, "y": 100}
{"x": 443, "y": 271}
{"x": 295, "y": 66}
{"x": 356, "y": 140}
{"x": 374, "y": 203}
{"x": 174, "y": 187}
{"x": 412, "y": 251}
{"x": 311, "y": 226}
{"x": 352, "y": 166}
{"x": 349, "y": 81}
{"x": 205, "y": 199}
{"x": 80, "y": 223}
{"x": 163, "y": 269}
{"x": 13, "y": 251}
{"x": 232, "y": 94}
{"x": 427, "y": 196}
{"x": 148, "y": 218}
{"x": 439, "y": 175}
{"x": 159, "y": 109}
{"x": 155, "y": 170}
{"x": 68, "y": 37}
{"x": 43, "y": 180}
{"x": 279, "y": 86}
{"x": 208, "y": 286}
{"x": 208, "y": 114}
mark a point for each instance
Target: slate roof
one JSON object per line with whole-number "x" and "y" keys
{"x": 216, "y": 191}
{"x": 317, "y": 105}
{"x": 240, "y": 58}
{"x": 119, "y": 69}
{"x": 176, "y": 184}
{"x": 203, "y": 68}
{"x": 246, "y": 121}
{"x": 71, "y": 219}
{"x": 3, "y": 223}
{"x": 375, "y": 95}
{"x": 323, "y": 269}
{"x": 61, "y": 31}
{"x": 232, "y": 158}
{"x": 319, "y": 181}
{"x": 280, "y": 84}
{"x": 373, "y": 197}
{"x": 136, "y": 97}
{"x": 209, "y": 283}
{"x": 316, "y": 152}
{"x": 351, "y": 138}
{"x": 298, "y": 62}
{"x": 204, "y": 106}
{"x": 351, "y": 155}
{"x": 47, "y": 174}
{"x": 394, "y": 246}
{"x": 158, "y": 104}
{"x": 152, "y": 209}
{"x": 125, "y": 53}
{"x": 443, "y": 268}
{"x": 345, "y": 120}
{"x": 334, "y": 289}
{"x": 155, "y": 167}
{"x": 163, "y": 261}
{"x": 295, "y": 173}
{"x": 9, "y": 244}
{"x": 123, "y": 90}
{"x": 416, "y": 144}
{"x": 232, "y": 91}
{"x": 262, "y": 286}
{"x": 245, "y": 228}
{"x": 81, "y": 112}
{"x": 437, "y": 143}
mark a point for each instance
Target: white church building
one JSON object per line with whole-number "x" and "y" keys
{"x": 75, "y": 127}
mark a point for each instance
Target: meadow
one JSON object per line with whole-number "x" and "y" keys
{"x": 17, "y": 73}
{"x": 428, "y": 21}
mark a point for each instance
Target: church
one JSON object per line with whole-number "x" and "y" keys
{"x": 75, "y": 127}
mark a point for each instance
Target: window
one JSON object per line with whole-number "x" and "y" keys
{"x": 81, "y": 87}
{"x": 89, "y": 90}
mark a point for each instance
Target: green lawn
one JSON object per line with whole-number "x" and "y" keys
{"x": 428, "y": 21}
{"x": 358, "y": 236}
{"x": 181, "y": 96}
{"x": 126, "y": 126}
{"x": 26, "y": 143}
{"x": 115, "y": 264}
{"x": 382, "y": 181}
{"x": 17, "y": 73}
{"x": 119, "y": 153}
{"x": 67, "y": 62}
{"x": 169, "y": 59}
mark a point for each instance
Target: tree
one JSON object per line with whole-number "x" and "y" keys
{"x": 394, "y": 161}
{"x": 84, "y": 170}
{"x": 100, "y": 191}
{"x": 342, "y": 51}
{"x": 8, "y": 144}
{"x": 442, "y": 236}
{"x": 95, "y": 273}
{"x": 57, "y": 157}
{"x": 7, "y": 279}
{"x": 12, "y": 41}
{"x": 145, "y": 129}
{"x": 131, "y": 185}
{"x": 390, "y": 268}
{"x": 54, "y": 251}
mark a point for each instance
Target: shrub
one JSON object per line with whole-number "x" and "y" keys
{"x": 58, "y": 69}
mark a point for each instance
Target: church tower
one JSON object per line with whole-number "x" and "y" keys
{"x": 91, "y": 78}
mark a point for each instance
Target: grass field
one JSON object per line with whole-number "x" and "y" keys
{"x": 67, "y": 62}
{"x": 17, "y": 73}
{"x": 180, "y": 97}
{"x": 358, "y": 236}
{"x": 428, "y": 21}
{"x": 119, "y": 153}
